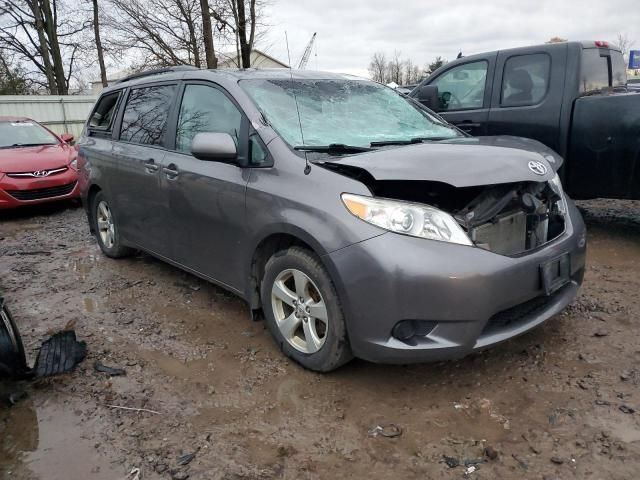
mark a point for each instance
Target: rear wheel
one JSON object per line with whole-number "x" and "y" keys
{"x": 303, "y": 312}
{"x": 106, "y": 228}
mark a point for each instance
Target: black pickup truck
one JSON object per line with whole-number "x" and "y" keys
{"x": 571, "y": 96}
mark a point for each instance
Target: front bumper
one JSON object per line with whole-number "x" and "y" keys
{"x": 17, "y": 192}
{"x": 475, "y": 297}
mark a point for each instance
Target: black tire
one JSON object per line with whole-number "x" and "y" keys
{"x": 117, "y": 249}
{"x": 335, "y": 351}
{"x": 13, "y": 362}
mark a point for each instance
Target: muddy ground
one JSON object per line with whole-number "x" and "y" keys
{"x": 562, "y": 401}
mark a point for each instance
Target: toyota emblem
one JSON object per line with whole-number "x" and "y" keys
{"x": 538, "y": 168}
{"x": 44, "y": 173}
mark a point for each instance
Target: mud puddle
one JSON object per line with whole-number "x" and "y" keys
{"x": 45, "y": 438}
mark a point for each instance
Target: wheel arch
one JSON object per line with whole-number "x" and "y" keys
{"x": 266, "y": 247}
{"x": 91, "y": 193}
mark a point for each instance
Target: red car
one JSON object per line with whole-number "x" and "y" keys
{"x": 36, "y": 165}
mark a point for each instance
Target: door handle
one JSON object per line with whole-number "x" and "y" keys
{"x": 150, "y": 166}
{"x": 465, "y": 125}
{"x": 171, "y": 171}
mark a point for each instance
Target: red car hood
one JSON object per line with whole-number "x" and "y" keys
{"x": 30, "y": 159}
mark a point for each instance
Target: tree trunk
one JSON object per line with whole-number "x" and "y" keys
{"x": 51, "y": 30}
{"x": 207, "y": 32}
{"x": 44, "y": 51}
{"x": 245, "y": 47}
{"x": 96, "y": 31}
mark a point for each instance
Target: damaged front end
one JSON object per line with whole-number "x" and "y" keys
{"x": 514, "y": 218}
{"x": 508, "y": 219}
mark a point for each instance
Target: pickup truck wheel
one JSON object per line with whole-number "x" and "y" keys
{"x": 106, "y": 228}
{"x": 303, "y": 312}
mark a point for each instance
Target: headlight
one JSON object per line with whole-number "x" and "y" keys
{"x": 556, "y": 186}
{"x": 74, "y": 164}
{"x": 407, "y": 218}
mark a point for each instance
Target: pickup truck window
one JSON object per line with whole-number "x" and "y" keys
{"x": 462, "y": 87}
{"x": 525, "y": 80}
{"x": 600, "y": 69}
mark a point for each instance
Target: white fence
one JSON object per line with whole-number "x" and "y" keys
{"x": 60, "y": 113}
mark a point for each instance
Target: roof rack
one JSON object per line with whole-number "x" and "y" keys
{"x": 157, "y": 71}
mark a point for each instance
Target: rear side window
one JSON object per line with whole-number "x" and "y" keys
{"x": 594, "y": 74}
{"x": 205, "y": 109}
{"x": 525, "y": 80}
{"x": 102, "y": 116}
{"x": 145, "y": 114}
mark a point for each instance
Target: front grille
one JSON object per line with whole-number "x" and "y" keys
{"x": 38, "y": 173}
{"x": 40, "y": 193}
{"x": 521, "y": 313}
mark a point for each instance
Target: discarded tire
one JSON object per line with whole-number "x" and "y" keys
{"x": 13, "y": 363}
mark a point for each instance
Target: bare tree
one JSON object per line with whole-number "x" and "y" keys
{"x": 394, "y": 69}
{"x": 625, "y": 44}
{"x": 207, "y": 33}
{"x": 378, "y": 67}
{"x": 242, "y": 18}
{"x": 160, "y": 32}
{"x": 556, "y": 40}
{"x": 42, "y": 34}
{"x": 99, "y": 49}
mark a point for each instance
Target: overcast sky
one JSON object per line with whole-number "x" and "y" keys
{"x": 350, "y": 31}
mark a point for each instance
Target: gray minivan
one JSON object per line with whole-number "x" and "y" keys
{"x": 359, "y": 222}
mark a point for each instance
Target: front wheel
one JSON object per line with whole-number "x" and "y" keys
{"x": 303, "y": 312}
{"x": 106, "y": 229}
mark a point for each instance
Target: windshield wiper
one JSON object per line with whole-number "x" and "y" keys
{"x": 333, "y": 148}
{"x": 27, "y": 145}
{"x": 382, "y": 143}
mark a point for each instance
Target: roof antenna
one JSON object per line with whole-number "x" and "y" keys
{"x": 307, "y": 167}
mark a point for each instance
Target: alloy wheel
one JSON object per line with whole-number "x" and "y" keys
{"x": 106, "y": 228}
{"x": 299, "y": 311}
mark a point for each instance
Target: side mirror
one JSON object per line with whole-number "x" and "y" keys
{"x": 67, "y": 137}
{"x": 428, "y": 96}
{"x": 214, "y": 146}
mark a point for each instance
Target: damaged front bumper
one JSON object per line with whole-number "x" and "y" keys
{"x": 459, "y": 298}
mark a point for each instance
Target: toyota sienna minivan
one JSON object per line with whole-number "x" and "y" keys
{"x": 357, "y": 221}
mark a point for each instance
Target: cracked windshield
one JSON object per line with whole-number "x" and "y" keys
{"x": 350, "y": 112}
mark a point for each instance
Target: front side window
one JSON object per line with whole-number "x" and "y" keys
{"x": 205, "y": 109}
{"x": 25, "y": 133}
{"x": 462, "y": 87}
{"x": 102, "y": 116}
{"x": 337, "y": 111}
{"x": 525, "y": 80}
{"x": 145, "y": 115}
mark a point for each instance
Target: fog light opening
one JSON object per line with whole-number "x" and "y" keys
{"x": 405, "y": 330}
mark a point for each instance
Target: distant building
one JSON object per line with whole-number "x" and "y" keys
{"x": 259, "y": 59}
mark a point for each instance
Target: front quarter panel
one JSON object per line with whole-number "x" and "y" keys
{"x": 283, "y": 199}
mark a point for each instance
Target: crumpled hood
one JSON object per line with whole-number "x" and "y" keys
{"x": 29, "y": 159}
{"x": 462, "y": 162}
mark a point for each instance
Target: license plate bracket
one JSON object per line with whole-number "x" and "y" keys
{"x": 555, "y": 273}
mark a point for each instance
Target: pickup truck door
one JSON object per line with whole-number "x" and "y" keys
{"x": 464, "y": 90}
{"x": 527, "y": 95}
